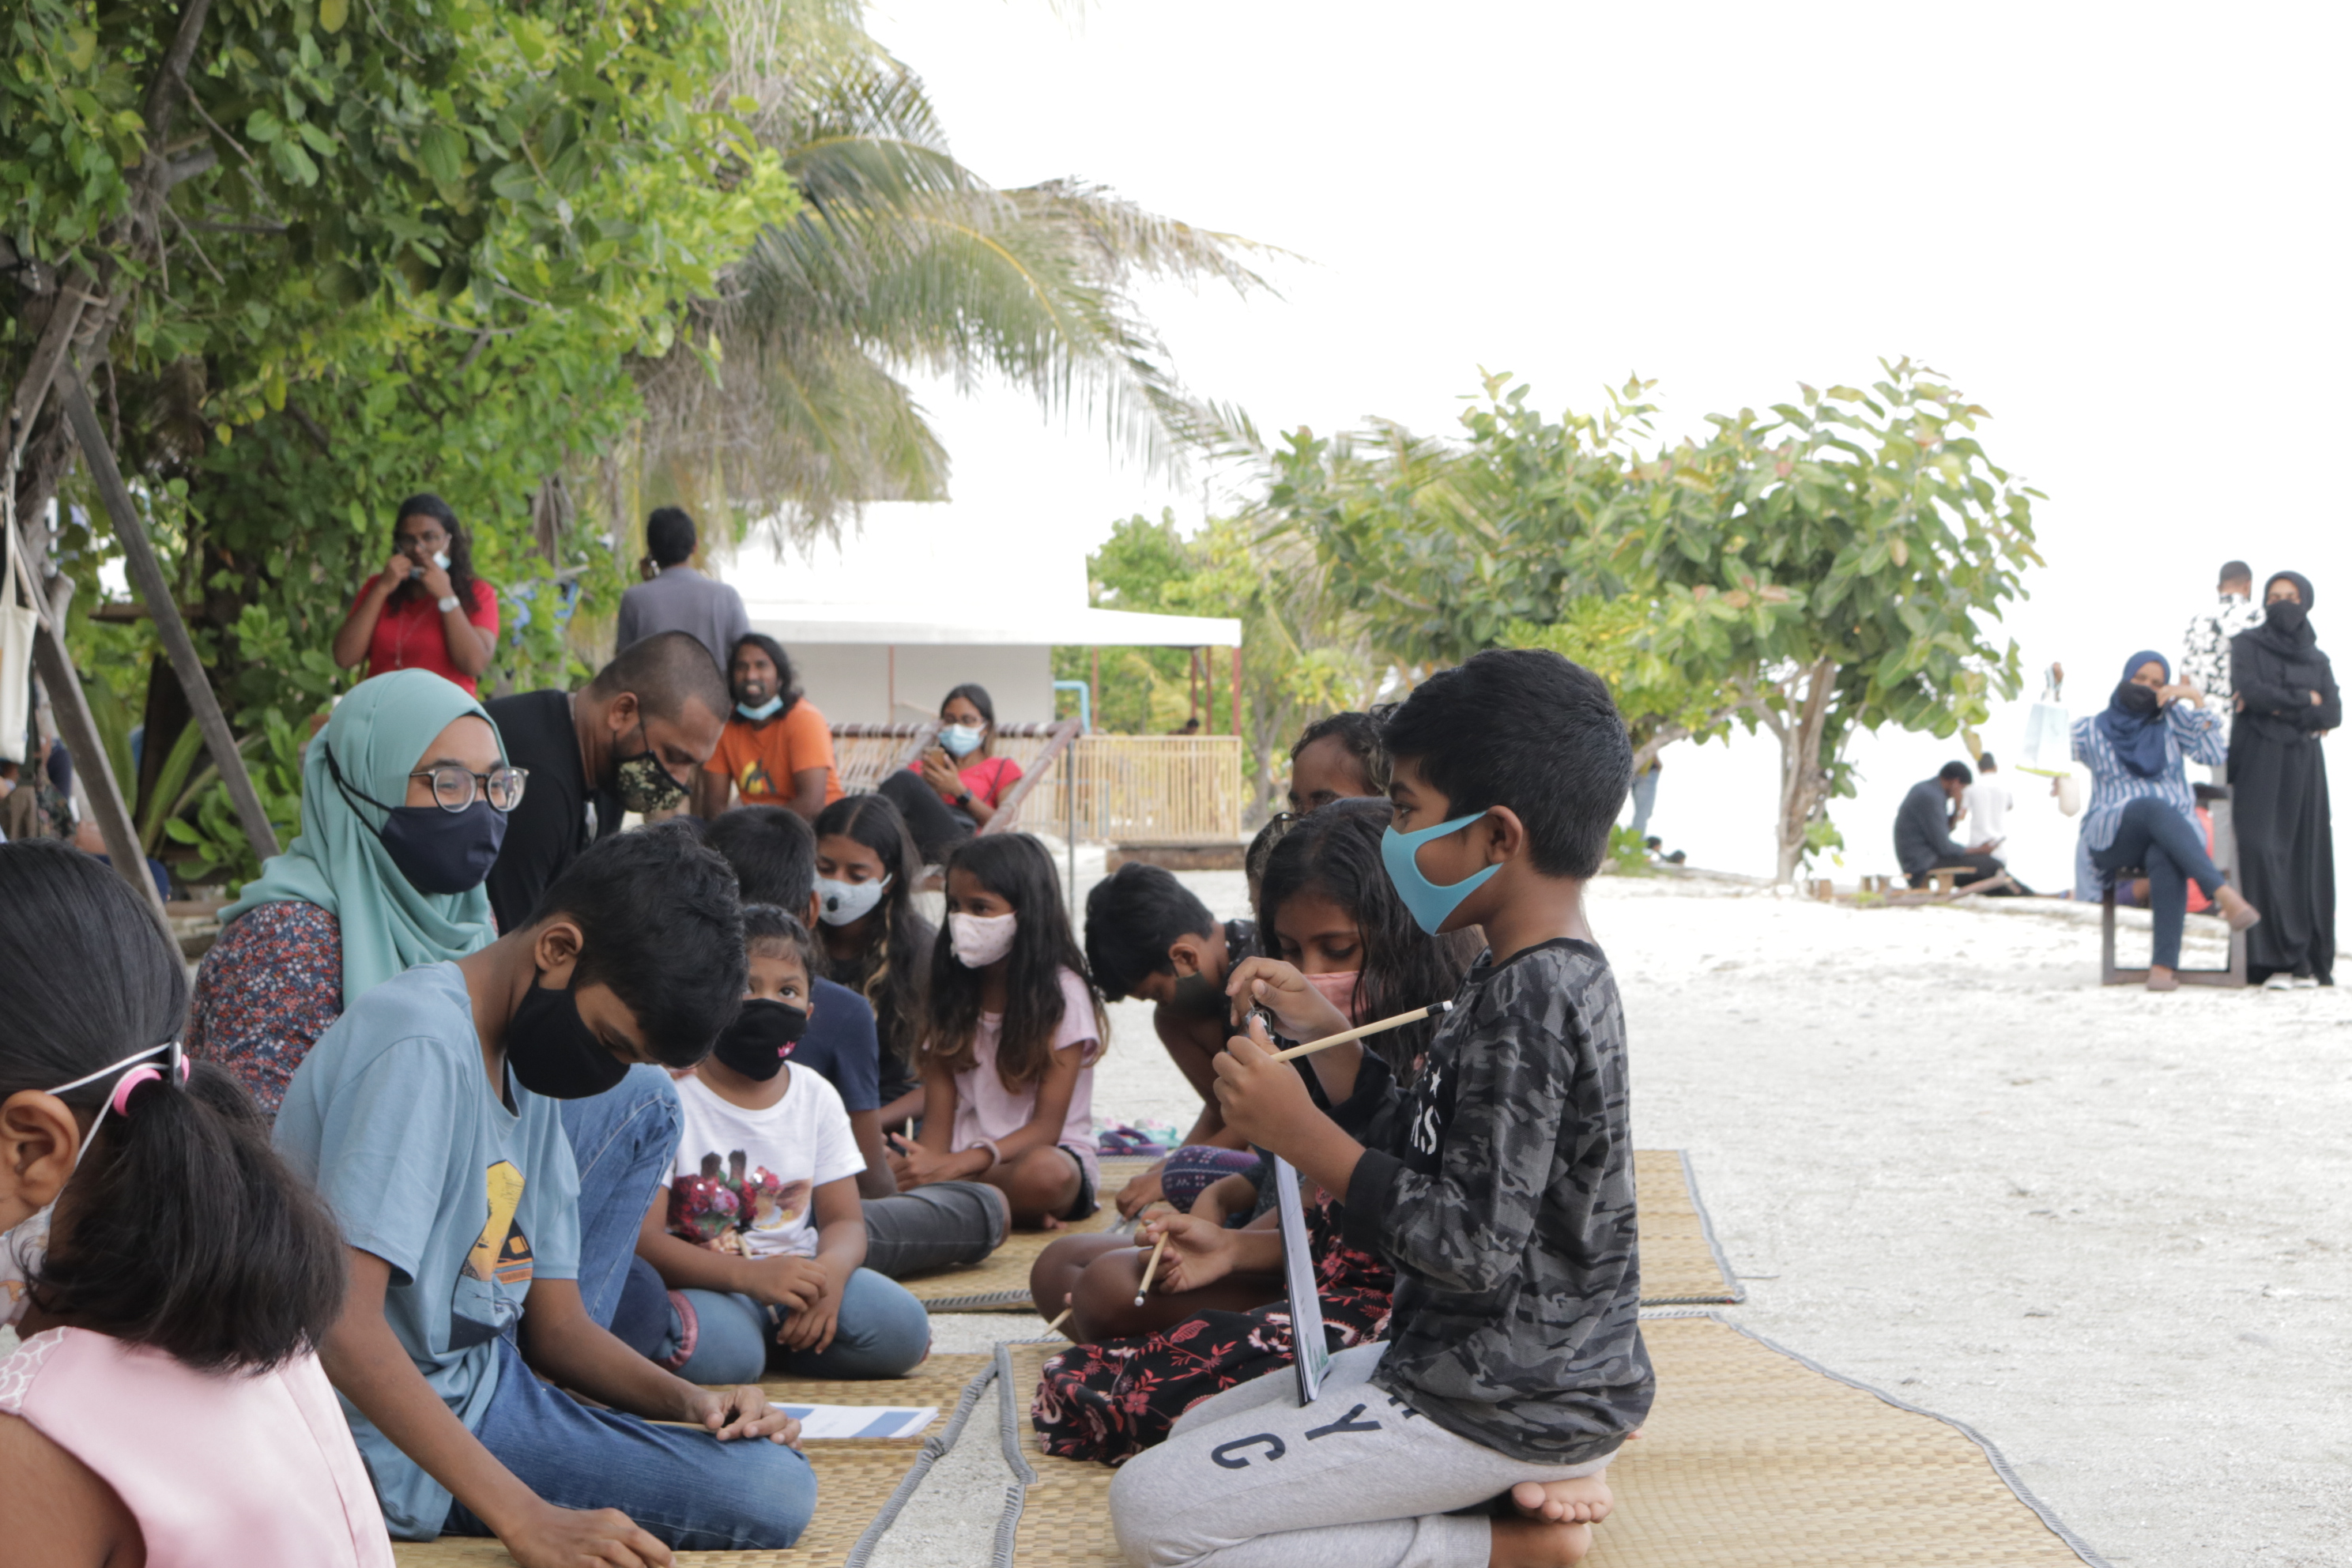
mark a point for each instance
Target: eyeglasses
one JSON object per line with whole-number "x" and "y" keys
{"x": 454, "y": 787}
{"x": 453, "y": 784}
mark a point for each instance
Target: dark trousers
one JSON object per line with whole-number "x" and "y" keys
{"x": 937, "y": 827}
{"x": 2155, "y": 837}
{"x": 1979, "y": 868}
{"x": 935, "y": 1226}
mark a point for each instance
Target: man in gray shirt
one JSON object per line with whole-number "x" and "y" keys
{"x": 676, "y": 597}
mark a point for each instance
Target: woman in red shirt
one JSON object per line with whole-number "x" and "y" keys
{"x": 426, "y": 610}
{"x": 956, "y": 786}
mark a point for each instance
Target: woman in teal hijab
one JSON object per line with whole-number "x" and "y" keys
{"x": 405, "y": 795}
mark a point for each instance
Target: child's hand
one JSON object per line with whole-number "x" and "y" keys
{"x": 742, "y": 1411}
{"x": 793, "y": 1283}
{"x": 812, "y": 1327}
{"x": 916, "y": 1166}
{"x": 1304, "y": 1012}
{"x": 1199, "y": 1252}
{"x": 1142, "y": 1190}
{"x": 566, "y": 1537}
{"x": 1262, "y": 1098}
{"x": 1225, "y": 1197}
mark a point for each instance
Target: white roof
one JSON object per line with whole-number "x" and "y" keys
{"x": 917, "y": 573}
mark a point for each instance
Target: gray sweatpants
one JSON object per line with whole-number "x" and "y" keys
{"x": 1249, "y": 1479}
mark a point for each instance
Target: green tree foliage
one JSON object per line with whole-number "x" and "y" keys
{"x": 1816, "y": 571}
{"x": 1305, "y": 656}
{"x": 335, "y": 255}
{"x": 902, "y": 260}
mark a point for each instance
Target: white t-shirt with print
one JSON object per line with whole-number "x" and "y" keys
{"x": 745, "y": 1179}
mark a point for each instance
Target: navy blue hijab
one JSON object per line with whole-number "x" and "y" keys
{"x": 2137, "y": 734}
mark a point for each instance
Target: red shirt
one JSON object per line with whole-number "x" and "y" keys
{"x": 990, "y": 779}
{"x": 408, "y": 634}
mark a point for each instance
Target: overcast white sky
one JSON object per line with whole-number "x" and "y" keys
{"x": 2118, "y": 227}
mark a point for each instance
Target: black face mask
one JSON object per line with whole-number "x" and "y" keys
{"x": 1195, "y": 996}
{"x": 644, "y": 785}
{"x": 2285, "y": 615}
{"x": 552, "y": 1053}
{"x": 2135, "y": 699}
{"x": 762, "y": 1035}
{"x": 444, "y": 851}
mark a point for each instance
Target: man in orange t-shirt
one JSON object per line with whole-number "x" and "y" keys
{"x": 777, "y": 748}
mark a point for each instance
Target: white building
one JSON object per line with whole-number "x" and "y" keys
{"x": 924, "y": 597}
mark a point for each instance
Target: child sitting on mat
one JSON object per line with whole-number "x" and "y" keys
{"x": 1499, "y": 1182}
{"x": 1014, "y": 1031}
{"x": 1329, "y": 912}
{"x": 759, "y": 1233}
{"x": 167, "y": 1274}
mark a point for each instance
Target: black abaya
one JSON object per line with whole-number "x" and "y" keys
{"x": 2278, "y": 786}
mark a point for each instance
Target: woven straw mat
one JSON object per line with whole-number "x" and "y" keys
{"x": 1749, "y": 1457}
{"x": 854, "y": 1479}
{"x": 1680, "y": 1263}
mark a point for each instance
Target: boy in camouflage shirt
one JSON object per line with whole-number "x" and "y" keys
{"x": 1499, "y": 1182}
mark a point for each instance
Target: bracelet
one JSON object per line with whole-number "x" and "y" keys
{"x": 995, "y": 1154}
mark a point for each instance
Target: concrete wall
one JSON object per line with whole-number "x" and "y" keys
{"x": 852, "y": 683}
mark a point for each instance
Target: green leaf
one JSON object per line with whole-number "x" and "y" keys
{"x": 332, "y": 13}
{"x": 443, "y": 152}
{"x": 263, "y": 126}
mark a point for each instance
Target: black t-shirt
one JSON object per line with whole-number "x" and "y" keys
{"x": 1241, "y": 942}
{"x": 839, "y": 1044}
{"x": 554, "y": 823}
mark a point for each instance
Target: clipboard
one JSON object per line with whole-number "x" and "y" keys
{"x": 1312, "y": 1351}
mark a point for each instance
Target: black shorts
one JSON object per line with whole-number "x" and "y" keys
{"x": 1085, "y": 1203}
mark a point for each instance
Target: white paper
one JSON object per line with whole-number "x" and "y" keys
{"x": 821, "y": 1422}
{"x": 1313, "y": 1352}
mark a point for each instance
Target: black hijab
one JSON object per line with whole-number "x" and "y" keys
{"x": 2134, "y": 721}
{"x": 2286, "y": 628}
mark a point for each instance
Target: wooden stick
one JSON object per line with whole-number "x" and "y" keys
{"x": 1055, "y": 1327}
{"x": 1436, "y": 1009}
{"x": 1150, "y": 1269}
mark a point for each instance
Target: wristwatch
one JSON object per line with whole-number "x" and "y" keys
{"x": 964, "y": 799}
{"x": 446, "y": 603}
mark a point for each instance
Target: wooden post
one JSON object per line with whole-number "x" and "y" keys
{"x": 1094, "y": 682}
{"x": 70, "y": 708}
{"x": 1237, "y": 690}
{"x": 147, "y": 577}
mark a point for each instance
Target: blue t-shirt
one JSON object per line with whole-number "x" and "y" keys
{"x": 391, "y": 1117}
{"x": 841, "y": 1046}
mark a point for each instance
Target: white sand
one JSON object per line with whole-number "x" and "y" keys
{"x": 2107, "y": 1229}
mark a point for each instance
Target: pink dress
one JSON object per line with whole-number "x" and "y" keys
{"x": 986, "y": 1108}
{"x": 216, "y": 1468}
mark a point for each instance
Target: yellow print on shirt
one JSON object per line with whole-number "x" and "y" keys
{"x": 501, "y": 1250}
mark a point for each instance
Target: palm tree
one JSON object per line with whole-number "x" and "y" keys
{"x": 900, "y": 262}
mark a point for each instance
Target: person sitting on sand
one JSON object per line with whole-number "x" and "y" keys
{"x": 1148, "y": 937}
{"x": 1499, "y": 1182}
{"x": 1923, "y": 839}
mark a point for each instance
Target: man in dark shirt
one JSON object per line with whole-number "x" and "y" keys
{"x": 633, "y": 740}
{"x": 1923, "y": 838}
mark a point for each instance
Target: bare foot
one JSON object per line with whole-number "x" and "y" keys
{"x": 1531, "y": 1544}
{"x": 1584, "y": 1500}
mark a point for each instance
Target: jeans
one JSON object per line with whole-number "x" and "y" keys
{"x": 692, "y": 1492}
{"x": 935, "y": 1226}
{"x": 2170, "y": 848}
{"x": 883, "y": 1332}
{"x": 1645, "y": 800}
{"x": 935, "y": 825}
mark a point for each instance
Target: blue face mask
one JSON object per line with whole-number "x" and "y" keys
{"x": 960, "y": 740}
{"x": 1428, "y": 904}
{"x": 768, "y": 710}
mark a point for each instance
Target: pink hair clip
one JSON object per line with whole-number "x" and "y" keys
{"x": 120, "y": 1101}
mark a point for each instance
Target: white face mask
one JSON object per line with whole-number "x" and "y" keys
{"x": 981, "y": 940}
{"x": 26, "y": 1243}
{"x": 960, "y": 740}
{"x": 841, "y": 903}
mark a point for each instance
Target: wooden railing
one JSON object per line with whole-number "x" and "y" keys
{"x": 1154, "y": 789}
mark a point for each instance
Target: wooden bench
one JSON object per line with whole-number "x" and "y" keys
{"x": 2216, "y": 799}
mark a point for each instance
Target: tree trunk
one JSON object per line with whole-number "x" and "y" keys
{"x": 1804, "y": 782}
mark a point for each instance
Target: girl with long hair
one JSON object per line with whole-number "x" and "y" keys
{"x": 876, "y": 941}
{"x": 1013, "y": 1032}
{"x": 958, "y": 783}
{"x": 1215, "y": 1316}
{"x": 156, "y": 1256}
{"x": 426, "y": 610}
